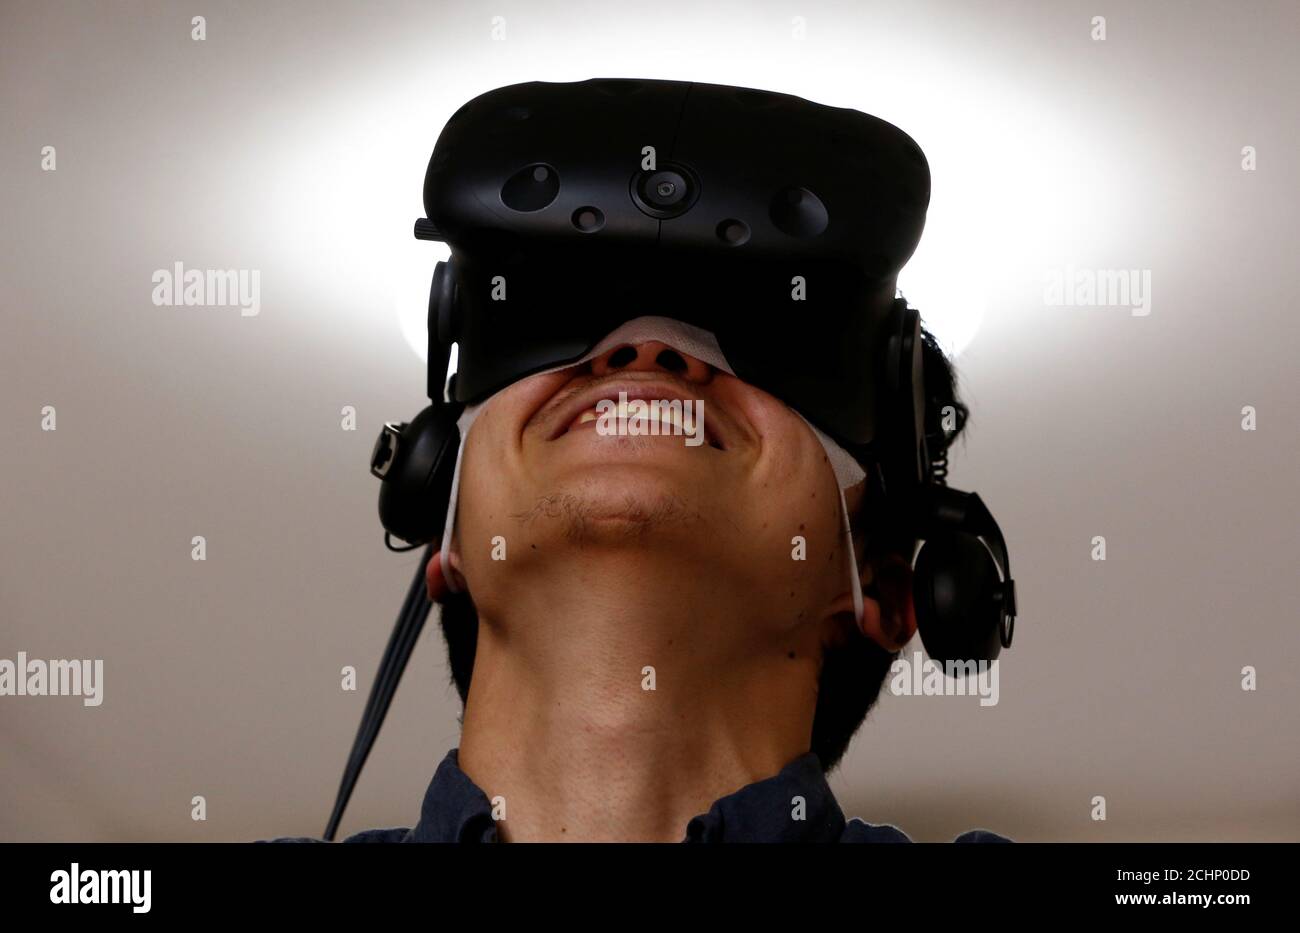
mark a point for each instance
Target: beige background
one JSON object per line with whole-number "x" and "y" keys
{"x": 293, "y": 141}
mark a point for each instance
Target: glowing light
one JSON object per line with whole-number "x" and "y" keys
{"x": 998, "y": 148}
{"x": 413, "y": 264}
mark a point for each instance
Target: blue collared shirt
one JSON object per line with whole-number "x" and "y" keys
{"x": 455, "y": 809}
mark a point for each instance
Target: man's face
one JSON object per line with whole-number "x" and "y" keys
{"x": 733, "y": 508}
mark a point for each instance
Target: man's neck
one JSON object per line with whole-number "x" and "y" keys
{"x": 618, "y": 699}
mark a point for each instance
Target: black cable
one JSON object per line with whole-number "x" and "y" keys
{"x": 413, "y": 594}
{"x": 359, "y": 751}
{"x": 410, "y": 621}
{"x": 396, "y": 655}
{"x": 402, "y": 644}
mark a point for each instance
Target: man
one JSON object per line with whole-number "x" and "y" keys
{"x": 673, "y": 634}
{"x": 656, "y": 640}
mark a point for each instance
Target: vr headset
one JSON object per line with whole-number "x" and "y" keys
{"x": 777, "y": 224}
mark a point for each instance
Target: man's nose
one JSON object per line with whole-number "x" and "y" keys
{"x": 651, "y": 356}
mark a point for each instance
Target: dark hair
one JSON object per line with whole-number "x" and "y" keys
{"x": 852, "y": 671}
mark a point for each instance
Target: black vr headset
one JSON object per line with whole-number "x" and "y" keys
{"x": 777, "y": 224}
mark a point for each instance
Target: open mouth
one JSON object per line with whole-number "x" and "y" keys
{"x": 640, "y": 417}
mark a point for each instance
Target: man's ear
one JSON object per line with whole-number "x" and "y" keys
{"x": 888, "y": 613}
{"x": 436, "y": 583}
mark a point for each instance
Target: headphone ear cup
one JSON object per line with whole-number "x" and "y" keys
{"x": 954, "y": 586}
{"x": 417, "y": 487}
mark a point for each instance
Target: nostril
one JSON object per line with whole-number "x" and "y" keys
{"x": 672, "y": 361}
{"x": 665, "y": 358}
{"x": 621, "y": 357}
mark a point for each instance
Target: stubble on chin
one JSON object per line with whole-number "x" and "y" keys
{"x": 583, "y": 520}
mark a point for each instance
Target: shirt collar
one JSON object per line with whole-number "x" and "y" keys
{"x": 794, "y": 805}
{"x": 455, "y": 809}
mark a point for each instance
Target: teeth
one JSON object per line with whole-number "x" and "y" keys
{"x": 674, "y": 417}
{"x": 650, "y": 416}
{"x": 654, "y": 419}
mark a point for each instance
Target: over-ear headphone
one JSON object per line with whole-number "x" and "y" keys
{"x": 961, "y": 583}
{"x": 417, "y": 460}
{"x": 962, "y": 589}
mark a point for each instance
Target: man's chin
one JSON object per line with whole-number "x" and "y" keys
{"x": 617, "y": 508}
